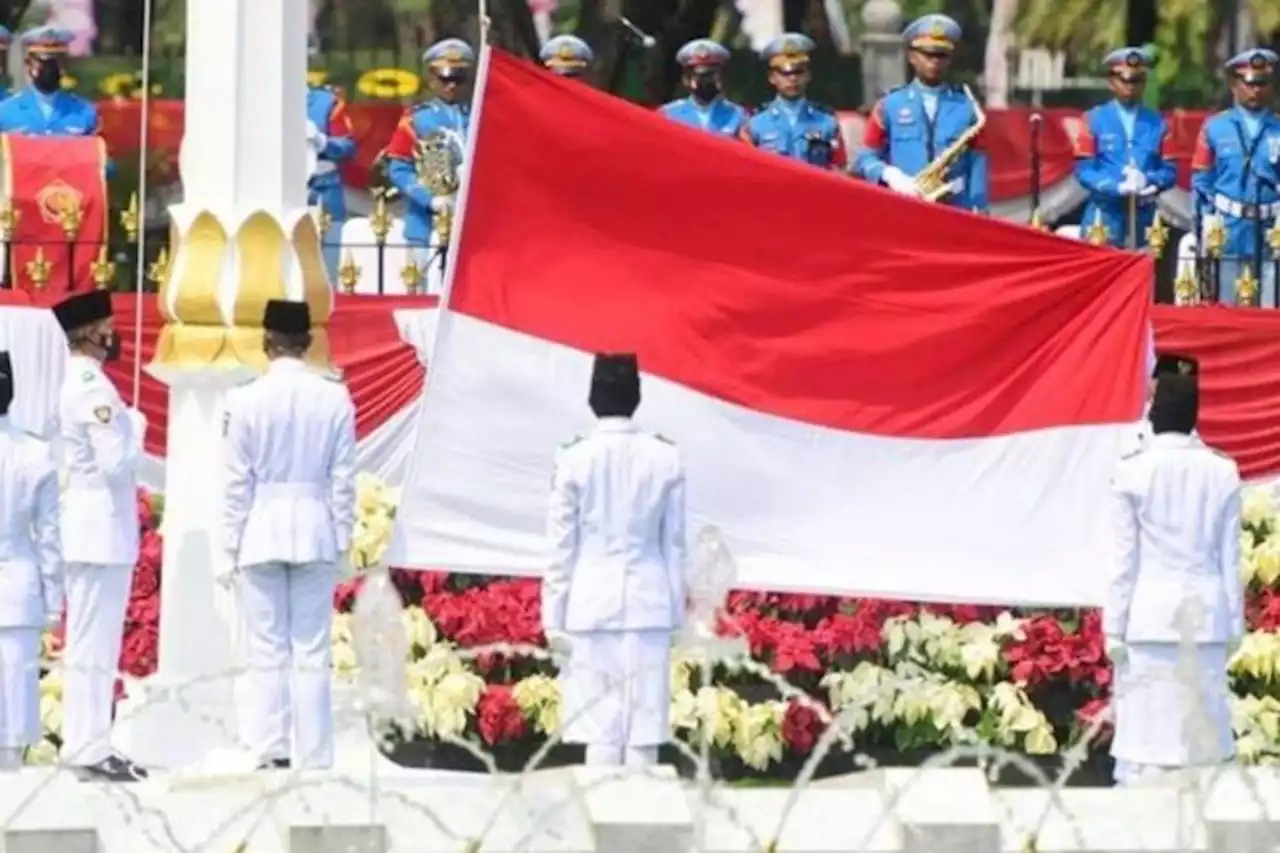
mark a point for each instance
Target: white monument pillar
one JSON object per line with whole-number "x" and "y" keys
{"x": 241, "y": 236}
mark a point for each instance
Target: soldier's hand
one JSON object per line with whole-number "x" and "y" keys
{"x": 898, "y": 181}
{"x": 440, "y": 204}
{"x": 1116, "y": 650}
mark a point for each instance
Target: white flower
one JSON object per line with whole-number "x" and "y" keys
{"x": 51, "y": 714}
{"x": 420, "y": 630}
{"x": 1259, "y": 508}
{"x": 758, "y": 734}
{"x": 42, "y": 753}
{"x": 538, "y": 698}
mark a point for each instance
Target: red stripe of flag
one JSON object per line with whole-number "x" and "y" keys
{"x": 812, "y": 296}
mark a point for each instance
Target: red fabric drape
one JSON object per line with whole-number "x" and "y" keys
{"x": 382, "y": 372}
{"x": 1007, "y": 138}
{"x": 1239, "y": 354}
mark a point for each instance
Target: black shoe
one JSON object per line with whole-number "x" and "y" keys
{"x": 113, "y": 769}
{"x": 275, "y": 764}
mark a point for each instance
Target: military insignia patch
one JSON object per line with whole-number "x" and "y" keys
{"x": 103, "y": 414}
{"x": 87, "y": 376}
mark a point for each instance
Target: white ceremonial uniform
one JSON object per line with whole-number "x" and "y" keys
{"x": 616, "y": 585}
{"x": 101, "y": 447}
{"x": 288, "y": 514}
{"x": 30, "y": 582}
{"x": 1176, "y": 601}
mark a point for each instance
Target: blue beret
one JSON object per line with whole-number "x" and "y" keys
{"x": 566, "y": 52}
{"x": 1258, "y": 63}
{"x": 46, "y": 41}
{"x": 1127, "y": 57}
{"x": 788, "y": 50}
{"x": 933, "y": 31}
{"x": 449, "y": 54}
{"x": 702, "y": 53}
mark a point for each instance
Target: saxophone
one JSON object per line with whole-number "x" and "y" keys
{"x": 931, "y": 182}
{"x": 436, "y": 159}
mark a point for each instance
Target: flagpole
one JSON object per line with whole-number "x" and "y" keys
{"x": 140, "y": 272}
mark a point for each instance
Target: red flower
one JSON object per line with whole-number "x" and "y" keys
{"x": 345, "y": 594}
{"x": 146, "y": 574}
{"x": 138, "y": 652}
{"x": 1096, "y": 711}
{"x": 801, "y": 727}
{"x": 498, "y": 716}
{"x": 146, "y": 510}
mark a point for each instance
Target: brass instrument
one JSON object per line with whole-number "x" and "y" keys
{"x": 436, "y": 159}
{"x": 931, "y": 182}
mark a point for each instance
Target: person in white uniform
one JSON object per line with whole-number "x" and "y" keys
{"x": 614, "y": 593}
{"x": 101, "y": 446}
{"x": 30, "y": 574}
{"x": 288, "y": 513}
{"x": 1174, "y": 612}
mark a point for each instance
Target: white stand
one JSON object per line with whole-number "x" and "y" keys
{"x": 186, "y": 713}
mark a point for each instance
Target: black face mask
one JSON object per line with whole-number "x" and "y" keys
{"x": 706, "y": 88}
{"x": 48, "y": 76}
{"x": 110, "y": 344}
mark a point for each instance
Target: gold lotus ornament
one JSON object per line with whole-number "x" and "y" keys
{"x": 380, "y": 220}
{"x": 130, "y": 219}
{"x": 39, "y": 270}
{"x": 1215, "y": 239}
{"x": 1273, "y": 240}
{"x": 389, "y": 84}
{"x": 1186, "y": 289}
{"x": 9, "y": 217}
{"x": 412, "y": 276}
{"x": 349, "y": 274}
{"x": 70, "y": 217}
{"x": 158, "y": 269}
{"x": 1247, "y": 286}
{"x": 103, "y": 269}
{"x": 1157, "y": 236}
{"x": 1097, "y": 233}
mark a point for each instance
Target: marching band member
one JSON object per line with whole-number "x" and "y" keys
{"x": 913, "y": 124}
{"x": 614, "y": 593}
{"x": 1236, "y": 169}
{"x": 703, "y": 61}
{"x": 1122, "y": 157}
{"x": 1174, "y": 612}
{"x": 791, "y": 124}
{"x": 43, "y": 108}
{"x": 101, "y": 448}
{"x": 6, "y": 38}
{"x": 568, "y": 56}
{"x": 288, "y": 513}
{"x": 330, "y": 138}
{"x": 450, "y": 64}
{"x": 30, "y": 574}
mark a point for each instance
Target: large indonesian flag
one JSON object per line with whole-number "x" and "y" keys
{"x": 872, "y": 395}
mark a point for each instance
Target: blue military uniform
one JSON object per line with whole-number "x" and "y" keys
{"x": 718, "y": 114}
{"x": 55, "y": 113}
{"x": 912, "y": 124}
{"x": 1122, "y": 158}
{"x": 566, "y": 55}
{"x": 796, "y": 127}
{"x": 329, "y": 134}
{"x": 1235, "y": 172}
{"x": 452, "y": 59}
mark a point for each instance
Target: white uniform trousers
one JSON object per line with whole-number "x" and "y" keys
{"x": 285, "y": 695}
{"x": 19, "y": 688}
{"x": 97, "y": 599}
{"x": 1171, "y": 710}
{"x": 616, "y": 687}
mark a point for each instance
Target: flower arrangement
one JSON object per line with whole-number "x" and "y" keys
{"x": 317, "y": 79}
{"x": 899, "y": 677}
{"x": 126, "y": 85}
{"x": 389, "y": 84}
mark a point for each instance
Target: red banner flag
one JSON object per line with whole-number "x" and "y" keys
{"x": 57, "y": 195}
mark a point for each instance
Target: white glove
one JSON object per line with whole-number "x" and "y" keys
{"x": 1134, "y": 181}
{"x": 319, "y": 141}
{"x": 899, "y": 181}
{"x": 52, "y": 609}
{"x": 1149, "y": 190}
{"x": 440, "y": 204}
{"x": 559, "y": 642}
{"x": 1116, "y": 650}
{"x": 225, "y": 575}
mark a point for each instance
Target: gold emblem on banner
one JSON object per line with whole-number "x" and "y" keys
{"x": 56, "y": 200}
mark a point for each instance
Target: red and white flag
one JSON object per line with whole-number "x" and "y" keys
{"x": 872, "y": 395}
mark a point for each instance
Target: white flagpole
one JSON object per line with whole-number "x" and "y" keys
{"x": 144, "y": 143}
